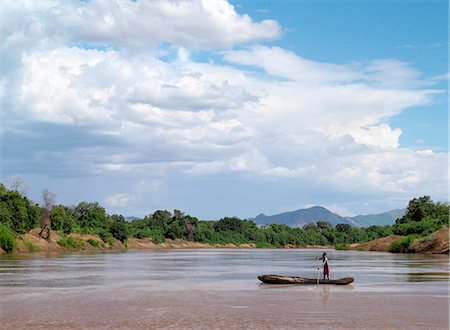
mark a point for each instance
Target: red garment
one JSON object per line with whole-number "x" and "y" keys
{"x": 326, "y": 269}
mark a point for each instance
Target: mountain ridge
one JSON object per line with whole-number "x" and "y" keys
{"x": 301, "y": 217}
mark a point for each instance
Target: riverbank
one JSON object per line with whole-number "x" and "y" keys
{"x": 32, "y": 242}
{"x": 436, "y": 243}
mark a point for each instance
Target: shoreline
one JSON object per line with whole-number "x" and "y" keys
{"x": 436, "y": 243}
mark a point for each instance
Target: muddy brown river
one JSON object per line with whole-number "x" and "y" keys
{"x": 219, "y": 289}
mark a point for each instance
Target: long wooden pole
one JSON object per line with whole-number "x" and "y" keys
{"x": 318, "y": 270}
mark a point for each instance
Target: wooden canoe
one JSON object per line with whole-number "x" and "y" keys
{"x": 279, "y": 279}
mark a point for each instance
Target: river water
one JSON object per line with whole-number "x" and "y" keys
{"x": 219, "y": 289}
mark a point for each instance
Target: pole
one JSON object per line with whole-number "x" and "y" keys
{"x": 318, "y": 271}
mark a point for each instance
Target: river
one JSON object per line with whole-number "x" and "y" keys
{"x": 219, "y": 289}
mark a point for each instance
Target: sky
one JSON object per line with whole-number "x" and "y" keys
{"x": 220, "y": 108}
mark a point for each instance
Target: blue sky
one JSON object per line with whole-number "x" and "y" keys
{"x": 415, "y": 32}
{"x": 226, "y": 108}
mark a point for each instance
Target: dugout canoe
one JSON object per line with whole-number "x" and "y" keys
{"x": 279, "y": 279}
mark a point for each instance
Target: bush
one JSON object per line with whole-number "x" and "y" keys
{"x": 156, "y": 234}
{"x": 93, "y": 242}
{"x": 106, "y": 236}
{"x": 111, "y": 242}
{"x": 72, "y": 242}
{"x": 30, "y": 246}
{"x": 7, "y": 238}
{"x": 424, "y": 227}
{"x": 403, "y": 244}
{"x": 341, "y": 247}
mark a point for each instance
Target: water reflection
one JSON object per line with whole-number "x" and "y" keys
{"x": 429, "y": 277}
{"x": 325, "y": 295}
{"x": 227, "y": 269}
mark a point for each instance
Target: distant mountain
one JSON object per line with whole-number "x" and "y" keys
{"x": 313, "y": 214}
{"x": 386, "y": 218}
{"x": 302, "y": 217}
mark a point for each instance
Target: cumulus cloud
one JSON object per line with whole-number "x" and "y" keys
{"x": 190, "y": 93}
{"x": 118, "y": 200}
{"x": 86, "y": 93}
{"x": 192, "y": 24}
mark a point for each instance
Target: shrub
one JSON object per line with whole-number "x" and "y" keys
{"x": 156, "y": 234}
{"x": 402, "y": 245}
{"x": 111, "y": 242}
{"x": 106, "y": 236}
{"x": 93, "y": 242}
{"x": 341, "y": 247}
{"x": 262, "y": 245}
{"x": 7, "y": 238}
{"x": 30, "y": 246}
{"x": 72, "y": 242}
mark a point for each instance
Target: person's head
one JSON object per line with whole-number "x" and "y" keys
{"x": 324, "y": 254}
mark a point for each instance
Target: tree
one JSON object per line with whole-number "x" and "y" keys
{"x": 17, "y": 211}
{"x": 118, "y": 228}
{"x": 159, "y": 219}
{"x": 189, "y": 226}
{"x": 324, "y": 225}
{"x": 418, "y": 208}
{"x": 91, "y": 217}
{"x": 18, "y": 184}
{"x": 61, "y": 220}
{"x": 228, "y": 224}
{"x": 344, "y": 228}
{"x": 48, "y": 201}
{"x": 422, "y": 217}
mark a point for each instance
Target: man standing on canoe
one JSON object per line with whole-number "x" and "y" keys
{"x": 326, "y": 267}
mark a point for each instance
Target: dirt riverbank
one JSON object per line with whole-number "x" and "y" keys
{"x": 437, "y": 243}
{"x": 32, "y": 242}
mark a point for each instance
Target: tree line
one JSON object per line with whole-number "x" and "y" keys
{"x": 19, "y": 215}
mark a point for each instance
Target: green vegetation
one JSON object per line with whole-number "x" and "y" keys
{"x": 17, "y": 212}
{"x": 403, "y": 244}
{"x": 30, "y": 246}
{"x": 341, "y": 247}
{"x": 93, "y": 242}
{"x": 422, "y": 218}
{"x": 72, "y": 243}
{"x": 118, "y": 228}
{"x": 18, "y": 215}
{"x": 7, "y": 238}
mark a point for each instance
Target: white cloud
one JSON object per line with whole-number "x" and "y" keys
{"x": 381, "y": 136}
{"x": 118, "y": 200}
{"x": 124, "y": 109}
{"x": 286, "y": 64}
{"x": 190, "y": 93}
{"x": 393, "y": 73}
{"x": 192, "y": 24}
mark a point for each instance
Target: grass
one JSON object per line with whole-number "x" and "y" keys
{"x": 93, "y": 242}
{"x": 72, "y": 243}
{"x": 111, "y": 242}
{"x": 30, "y": 246}
{"x": 341, "y": 247}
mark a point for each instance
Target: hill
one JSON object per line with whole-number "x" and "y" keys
{"x": 302, "y": 217}
{"x": 313, "y": 214}
{"x": 381, "y": 219}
